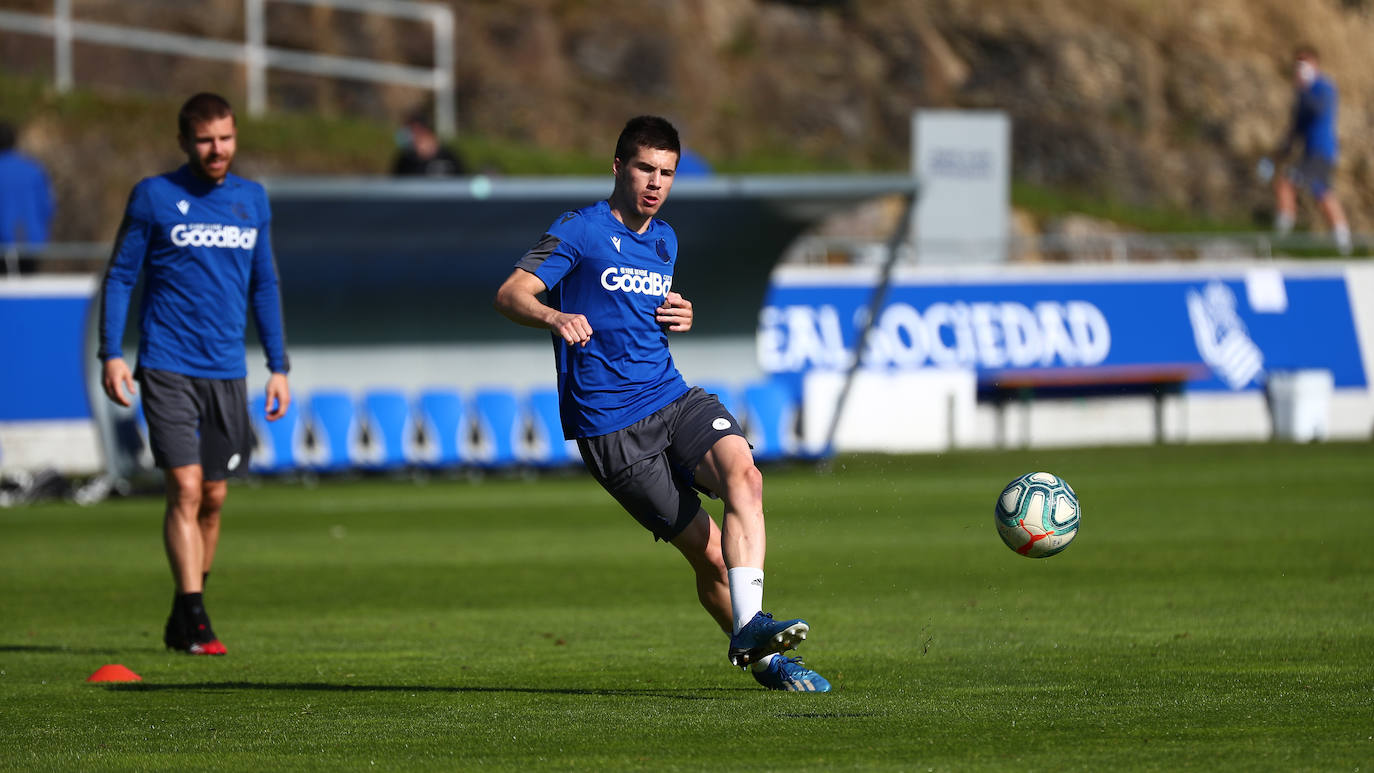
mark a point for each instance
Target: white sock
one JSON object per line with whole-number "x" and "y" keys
{"x": 746, "y": 594}
{"x": 1342, "y": 234}
{"x": 762, "y": 664}
{"x": 1283, "y": 223}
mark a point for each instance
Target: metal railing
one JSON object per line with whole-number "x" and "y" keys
{"x": 255, "y": 55}
{"x": 1122, "y": 248}
{"x": 814, "y": 250}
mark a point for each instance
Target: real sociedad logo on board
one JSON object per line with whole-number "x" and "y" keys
{"x": 635, "y": 280}
{"x": 795, "y": 338}
{"x": 213, "y": 235}
{"x": 1221, "y": 336}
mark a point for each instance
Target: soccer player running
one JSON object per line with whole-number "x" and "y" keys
{"x": 645, "y": 436}
{"x": 200, "y": 236}
{"x": 1314, "y": 121}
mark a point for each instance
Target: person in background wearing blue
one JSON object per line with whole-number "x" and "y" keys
{"x": 693, "y": 164}
{"x": 200, "y": 235}
{"x": 1314, "y": 122}
{"x": 26, "y": 202}
{"x": 649, "y": 439}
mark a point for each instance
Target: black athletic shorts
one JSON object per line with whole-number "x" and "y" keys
{"x": 650, "y": 466}
{"x": 1312, "y": 173}
{"x": 196, "y": 421}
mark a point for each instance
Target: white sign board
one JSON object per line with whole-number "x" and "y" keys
{"x": 963, "y": 160}
{"x": 931, "y": 409}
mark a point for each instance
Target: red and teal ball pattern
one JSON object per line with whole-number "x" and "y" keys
{"x": 1037, "y": 514}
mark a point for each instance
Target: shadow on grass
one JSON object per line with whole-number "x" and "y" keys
{"x": 56, "y": 649}
{"x": 686, "y": 695}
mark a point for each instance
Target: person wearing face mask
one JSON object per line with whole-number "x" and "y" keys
{"x": 1314, "y": 123}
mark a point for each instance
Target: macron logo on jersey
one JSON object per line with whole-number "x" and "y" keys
{"x": 635, "y": 280}
{"x": 183, "y": 206}
{"x": 616, "y": 241}
{"x": 214, "y": 235}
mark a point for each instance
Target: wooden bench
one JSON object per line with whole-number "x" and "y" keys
{"x": 1025, "y": 384}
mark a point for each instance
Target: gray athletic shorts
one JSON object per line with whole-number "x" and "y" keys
{"x": 650, "y": 466}
{"x": 197, "y": 421}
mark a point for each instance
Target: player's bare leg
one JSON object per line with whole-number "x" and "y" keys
{"x": 213, "y": 493}
{"x": 1286, "y": 201}
{"x": 1335, "y": 217}
{"x": 700, "y": 545}
{"x": 728, "y": 469}
{"x": 188, "y": 627}
{"x": 757, "y": 639}
{"x": 181, "y": 527}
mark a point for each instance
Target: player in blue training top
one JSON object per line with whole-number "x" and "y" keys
{"x": 645, "y": 436}
{"x": 1314, "y": 122}
{"x": 200, "y": 236}
{"x": 26, "y": 204}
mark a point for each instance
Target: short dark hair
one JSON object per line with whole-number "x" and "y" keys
{"x": 1306, "y": 51}
{"x": 6, "y": 135}
{"x": 420, "y": 117}
{"x": 646, "y": 131}
{"x": 202, "y": 108}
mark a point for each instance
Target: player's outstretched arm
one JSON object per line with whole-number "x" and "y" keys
{"x": 675, "y": 313}
{"x": 518, "y": 300}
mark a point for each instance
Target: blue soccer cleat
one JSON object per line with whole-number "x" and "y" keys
{"x": 762, "y": 636}
{"x": 784, "y": 673}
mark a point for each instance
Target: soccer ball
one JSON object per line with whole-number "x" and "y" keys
{"x": 1037, "y": 514}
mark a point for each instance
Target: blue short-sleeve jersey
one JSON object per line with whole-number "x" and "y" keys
{"x": 205, "y": 252}
{"x": 595, "y": 266}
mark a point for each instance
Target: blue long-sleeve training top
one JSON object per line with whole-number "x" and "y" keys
{"x": 1314, "y": 119}
{"x": 26, "y": 205}
{"x": 205, "y": 251}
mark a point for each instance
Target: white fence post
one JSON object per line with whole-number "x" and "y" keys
{"x": 254, "y": 59}
{"x": 62, "y": 44}
{"x": 445, "y": 100}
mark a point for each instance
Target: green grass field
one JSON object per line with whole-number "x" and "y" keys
{"x": 1215, "y": 613}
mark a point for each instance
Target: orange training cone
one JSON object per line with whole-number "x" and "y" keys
{"x": 114, "y": 673}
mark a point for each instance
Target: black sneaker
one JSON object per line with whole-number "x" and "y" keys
{"x": 189, "y": 631}
{"x": 174, "y": 635}
{"x": 203, "y": 640}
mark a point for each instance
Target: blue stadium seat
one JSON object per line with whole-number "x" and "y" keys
{"x": 496, "y": 417}
{"x": 770, "y": 414}
{"x": 145, "y": 448}
{"x": 281, "y": 443}
{"x": 390, "y": 429}
{"x": 445, "y": 425}
{"x": 548, "y": 448}
{"x": 333, "y": 419}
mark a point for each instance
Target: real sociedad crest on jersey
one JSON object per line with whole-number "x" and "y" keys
{"x": 661, "y": 247}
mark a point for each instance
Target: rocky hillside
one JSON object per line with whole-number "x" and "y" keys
{"x": 1155, "y": 103}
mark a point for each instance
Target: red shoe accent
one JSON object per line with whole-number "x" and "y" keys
{"x": 212, "y": 647}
